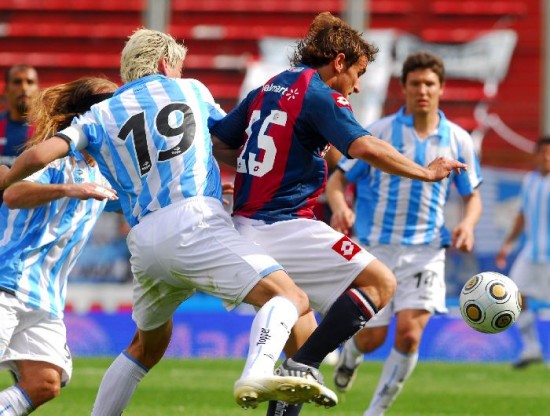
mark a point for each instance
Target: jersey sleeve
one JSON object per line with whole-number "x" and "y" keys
{"x": 353, "y": 169}
{"x": 469, "y": 180}
{"x": 333, "y": 117}
{"x": 215, "y": 112}
{"x": 230, "y": 129}
{"x": 84, "y": 131}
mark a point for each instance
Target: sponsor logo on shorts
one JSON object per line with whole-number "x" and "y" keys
{"x": 346, "y": 248}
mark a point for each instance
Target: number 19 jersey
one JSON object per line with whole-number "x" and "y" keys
{"x": 284, "y": 127}
{"x": 152, "y": 143}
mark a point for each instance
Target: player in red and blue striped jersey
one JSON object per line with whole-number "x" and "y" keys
{"x": 276, "y": 139}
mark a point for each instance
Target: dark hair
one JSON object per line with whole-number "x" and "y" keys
{"x": 423, "y": 60}
{"x": 328, "y": 36}
{"x": 543, "y": 141}
{"x": 7, "y": 74}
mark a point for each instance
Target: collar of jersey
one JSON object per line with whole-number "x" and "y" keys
{"x": 139, "y": 81}
{"x": 407, "y": 119}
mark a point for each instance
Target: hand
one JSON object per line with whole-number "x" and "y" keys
{"x": 227, "y": 189}
{"x": 342, "y": 220}
{"x": 502, "y": 255}
{"x": 442, "y": 167}
{"x": 91, "y": 190}
{"x": 463, "y": 238}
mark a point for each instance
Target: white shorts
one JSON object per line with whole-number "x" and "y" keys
{"x": 532, "y": 279}
{"x": 420, "y": 273}
{"x": 31, "y": 334}
{"x": 186, "y": 247}
{"x": 320, "y": 260}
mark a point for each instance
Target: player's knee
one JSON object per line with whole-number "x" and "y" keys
{"x": 43, "y": 390}
{"x": 300, "y": 299}
{"x": 387, "y": 287}
{"x": 407, "y": 341}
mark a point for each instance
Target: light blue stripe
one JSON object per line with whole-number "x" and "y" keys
{"x": 391, "y": 208}
{"x": 535, "y": 231}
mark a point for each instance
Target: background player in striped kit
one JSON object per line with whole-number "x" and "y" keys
{"x": 401, "y": 222}
{"x": 531, "y": 270}
{"x": 151, "y": 141}
{"x": 276, "y": 138}
{"x": 50, "y": 218}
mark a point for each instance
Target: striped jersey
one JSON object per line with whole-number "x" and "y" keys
{"x": 152, "y": 143}
{"x": 396, "y": 210}
{"x": 535, "y": 207}
{"x": 284, "y": 128}
{"x": 39, "y": 246}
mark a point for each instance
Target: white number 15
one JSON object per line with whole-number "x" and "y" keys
{"x": 255, "y": 167}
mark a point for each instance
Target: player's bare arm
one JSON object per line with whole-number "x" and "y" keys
{"x": 343, "y": 217}
{"x": 463, "y": 234}
{"x": 24, "y": 194}
{"x": 34, "y": 159}
{"x": 385, "y": 157}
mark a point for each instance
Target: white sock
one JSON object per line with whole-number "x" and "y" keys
{"x": 14, "y": 402}
{"x": 397, "y": 369}
{"x": 527, "y": 326}
{"x": 268, "y": 335}
{"x": 118, "y": 386}
{"x": 352, "y": 356}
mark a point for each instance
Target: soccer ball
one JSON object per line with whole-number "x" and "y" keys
{"x": 490, "y": 302}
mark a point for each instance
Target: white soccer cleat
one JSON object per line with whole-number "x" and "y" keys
{"x": 251, "y": 391}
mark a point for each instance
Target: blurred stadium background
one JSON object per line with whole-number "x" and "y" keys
{"x": 498, "y": 76}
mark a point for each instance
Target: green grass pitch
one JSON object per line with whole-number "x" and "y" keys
{"x": 204, "y": 387}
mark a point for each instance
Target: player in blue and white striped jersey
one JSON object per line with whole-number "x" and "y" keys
{"x": 151, "y": 141}
{"x": 44, "y": 223}
{"x": 401, "y": 221}
{"x": 531, "y": 269}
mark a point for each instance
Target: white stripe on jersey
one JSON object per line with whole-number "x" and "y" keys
{"x": 152, "y": 142}
{"x": 39, "y": 246}
{"x": 535, "y": 205}
{"x": 396, "y": 210}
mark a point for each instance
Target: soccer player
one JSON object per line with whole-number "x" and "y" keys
{"x": 276, "y": 138}
{"x": 44, "y": 223}
{"x": 151, "y": 141}
{"x": 21, "y": 87}
{"x": 401, "y": 222}
{"x": 531, "y": 270}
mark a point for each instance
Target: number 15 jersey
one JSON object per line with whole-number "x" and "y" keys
{"x": 284, "y": 127}
{"x": 152, "y": 143}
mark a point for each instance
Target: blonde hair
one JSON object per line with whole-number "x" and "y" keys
{"x": 143, "y": 51}
{"x": 55, "y": 107}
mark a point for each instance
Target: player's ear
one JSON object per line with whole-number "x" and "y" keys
{"x": 339, "y": 63}
{"x": 163, "y": 66}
